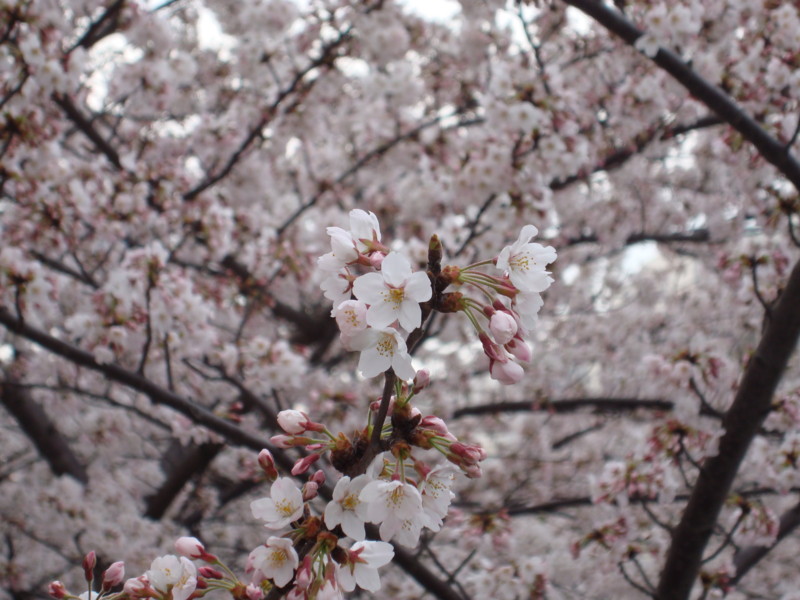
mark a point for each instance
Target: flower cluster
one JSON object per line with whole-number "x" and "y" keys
{"x": 395, "y": 298}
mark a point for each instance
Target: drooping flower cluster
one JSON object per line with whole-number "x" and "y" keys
{"x": 390, "y": 300}
{"x": 387, "y": 488}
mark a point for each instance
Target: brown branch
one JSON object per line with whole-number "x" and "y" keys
{"x": 87, "y": 128}
{"x": 597, "y": 406}
{"x": 749, "y": 557}
{"x": 710, "y": 95}
{"x": 619, "y": 157}
{"x": 41, "y": 431}
{"x": 181, "y": 465}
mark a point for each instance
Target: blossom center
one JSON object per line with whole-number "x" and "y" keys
{"x": 279, "y": 556}
{"x": 350, "y": 502}
{"x": 521, "y": 262}
{"x": 284, "y": 507}
{"x": 385, "y": 346}
{"x": 394, "y": 296}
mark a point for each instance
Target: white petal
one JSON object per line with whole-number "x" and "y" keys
{"x": 395, "y": 269}
{"x": 418, "y": 287}
{"x": 369, "y": 288}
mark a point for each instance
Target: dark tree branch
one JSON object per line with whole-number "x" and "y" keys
{"x": 695, "y": 236}
{"x": 749, "y": 557}
{"x": 42, "y": 431}
{"x": 619, "y": 157}
{"x": 184, "y": 464}
{"x": 105, "y": 25}
{"x": 765, "y": 368}
{"x": 710, "y": 95}
{"x": 596, "y": 405}
{"x": 87, "y": 128}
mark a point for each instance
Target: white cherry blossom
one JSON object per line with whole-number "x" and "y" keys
{"x": 525, "y": 262}
{"x": 277, "y": 560}
{"x": 284, "y": 505}
{"x": 394, "y": 294}
{"x": 364, "y": 560}
{"x": 382, "y": 349}
{"x": 346, "y": 508}
{"x": 173, "y": 573}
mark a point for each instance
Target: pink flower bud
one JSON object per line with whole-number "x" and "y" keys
{"x": 507, "y": 373}
{"x": 113, "y": 575}
{"x": 469, "y": 452}
{"x": 303, "y": 576}
{"x": 267, "y": 464}
{"x": 138, "y": 587}
{"x": 88, "y": 564}
{"x": 318, "y": 477}
{"x": 490, "y": 349}
{"x": 520, "y": 350}
{"x": 191, "y": 547}
{"x": 253, "y": 592}
{"x": 310, "y": 490}
{"x": 503, "y": 327}
{"x": 376, "y": 259}
{"x": 289, "y": 441}
{"x": 209, "y": 572}
{"x": 302, "y": 465}
{"x": 293, "y": 422}
{"x": 421, "y": 380}
{"x": 438, "y": 426}
{"x": 57, "y": 590}
{"x": 472, "y": 471}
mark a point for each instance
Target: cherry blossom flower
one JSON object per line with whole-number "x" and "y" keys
{"x": 284, "y": 505}
{"x": 363, "y": 561}
{"x": 397, "y": 506}
{"x": 277, "y": 560}
{"x": 382, "y": 349}
{"x": 346, "y": 246}
{"x": 525, "y": 262}
{"x": 346, "y": 508}
{"x": 172, "y": 573}
{"x": 394, "y": 294}
{"x": 436, "y": 496}
{"x": 351, "y": 316}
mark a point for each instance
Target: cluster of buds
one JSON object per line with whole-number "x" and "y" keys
{"x": 395, "y": 298}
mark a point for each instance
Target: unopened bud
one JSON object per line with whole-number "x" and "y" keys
{"x": 88, "y": 564}
{"x": 302, "y": 465}
{"x": 303, "y": 575}
{"x": 293, "y": 422}
{"x": 267, "y": 464}
{"x": 318, "y": 477}
{"x": 503, "y": 327}
{"x": 113, "y": 575}
{"x": 310, "y": 490}
{"x": 421, "y": 380}
{"x": 376, "y": 259}
{"x": 253, "y": 592}
{"x": 57, "y": 590}
{"x": 520, "y": 350}
{"x": 210, "y": 572}
{"x": 507, "y": 373}
{"x": 137, "y": 587}
{"x": 191, "y": 547}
